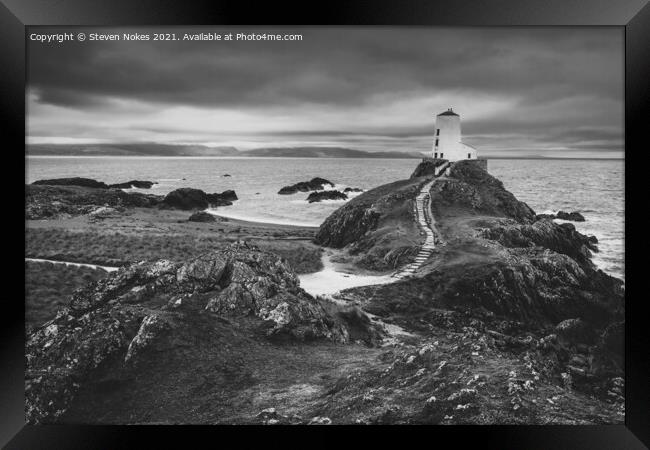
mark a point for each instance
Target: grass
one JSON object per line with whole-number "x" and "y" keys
{"x": 49, "y": 286}
{"x": 117, "y": 249}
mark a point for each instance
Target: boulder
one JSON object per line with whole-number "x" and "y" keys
{"x": 186, "y": 198}
{"x": 351, "y": 189}
{"x": 315, "y": 184}
{"x": 202, "y": 216}
{"x": 76, "y": 181}
{"x": 223, "y": 199}
{"x": 189, "y": 198}
{"x": 326, "y": 195}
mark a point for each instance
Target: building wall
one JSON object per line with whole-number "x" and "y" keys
{"x": 448, "y": 138}
{"x": 449, "y": 142}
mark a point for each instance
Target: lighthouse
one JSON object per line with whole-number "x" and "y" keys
{"x": 447, "y": 142}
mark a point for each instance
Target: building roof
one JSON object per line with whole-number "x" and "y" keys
{"x": 449, "y": 112}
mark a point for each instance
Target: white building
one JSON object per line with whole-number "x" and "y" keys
{"x": 447, "y": 140}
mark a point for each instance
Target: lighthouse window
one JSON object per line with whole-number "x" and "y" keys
{"x": 442, "y": 155}
{"x": 438, "y": 132}
{"x": 436, "y": 142}
{"x": 469, "y": 156}
{"x": 435, "y": 155}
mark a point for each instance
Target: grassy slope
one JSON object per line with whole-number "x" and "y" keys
{"x": 49, "y": 286}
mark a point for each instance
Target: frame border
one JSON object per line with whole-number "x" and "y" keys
{"x": 632, "y": 15}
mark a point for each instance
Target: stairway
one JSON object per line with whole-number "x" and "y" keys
{"x": 422, "y": 211}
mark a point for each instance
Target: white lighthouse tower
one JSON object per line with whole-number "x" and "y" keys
{"x": 447, "y": 139}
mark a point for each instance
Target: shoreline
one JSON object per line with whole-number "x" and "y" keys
{"x": 250, "y": 221}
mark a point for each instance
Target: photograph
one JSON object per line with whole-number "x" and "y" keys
{"x": 297, "y": 225}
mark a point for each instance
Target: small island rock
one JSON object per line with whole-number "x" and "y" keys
{"x": 315, "y": 184}
{"x": 326, "y": 195}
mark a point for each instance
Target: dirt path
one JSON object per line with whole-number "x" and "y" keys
{"x": 92, "y": 266}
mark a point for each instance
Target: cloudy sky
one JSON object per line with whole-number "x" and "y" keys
{"x": 519, "y": 91}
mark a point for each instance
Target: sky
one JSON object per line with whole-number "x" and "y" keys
{"x": 520, "y": 92}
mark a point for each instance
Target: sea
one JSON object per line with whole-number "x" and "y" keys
{"x": 595, "y": 188}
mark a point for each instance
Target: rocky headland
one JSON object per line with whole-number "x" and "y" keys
{"x": 506, "y": 321}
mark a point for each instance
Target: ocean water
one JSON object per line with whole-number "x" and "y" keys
{"x": 593, "y": 187}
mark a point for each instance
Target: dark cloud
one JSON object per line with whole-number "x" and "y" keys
{"x": 560, "y": 85}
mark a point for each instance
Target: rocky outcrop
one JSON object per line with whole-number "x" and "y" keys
{"x": 223, "y": 198}
{"x": 315, "y": 184}
{"x": 189, "y": 198}
{"x": 48, "y": 202}
{"x": 75, "y": 181}
{"x": 326, "y": 195}
{"x": 202, "y": 216}
{"x": 351, "y": 189}
{"x": 144, "y": 309}
{"x": 545, "y": 233}
{"x": 563, "y": 215}
{"x": 427, "y": 167}
{"x": 139, "y": 184}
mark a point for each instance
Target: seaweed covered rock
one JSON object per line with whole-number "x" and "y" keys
{"x": 148, "y": 308}
{"x": 190, "y": 198}
{"x": 326, "y": 195}
{"x": 315, "y": 184}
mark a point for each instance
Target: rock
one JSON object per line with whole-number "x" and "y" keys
{"x": 351, "y": 189}
{"x": 315, "y": 184}
{"x": 186, "y": 198}
{"x": 45, "y": 201}
{"x": 427, "y": 167}
{"x": 465, "y": 395}
{"x": 575, "y": 330}
{"x": 189, "y": 198}
{"x": 202, "y": 216}
{"x": 573, "y": 216}
{"x": 225, "y": 198}
{"x": 562, "y": 238}
{"x": 76, "y": 181}
{"x": 326, "y": 195}
{"x": 133, "y": 184}
{"x": 226, "y": 175}
{"x": 140, "y": 312}
{"x": 320, "y": 421}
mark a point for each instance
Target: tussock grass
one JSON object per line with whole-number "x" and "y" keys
{"x": 49, "y": 286}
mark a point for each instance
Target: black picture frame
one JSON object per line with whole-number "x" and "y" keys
{"x": 632, "y": 15}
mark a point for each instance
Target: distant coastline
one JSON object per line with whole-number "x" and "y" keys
{"x": 154, "y": 150}
{"x": 160, "y": 150}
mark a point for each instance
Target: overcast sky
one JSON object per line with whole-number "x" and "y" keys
{"x": 519, "y": 91}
